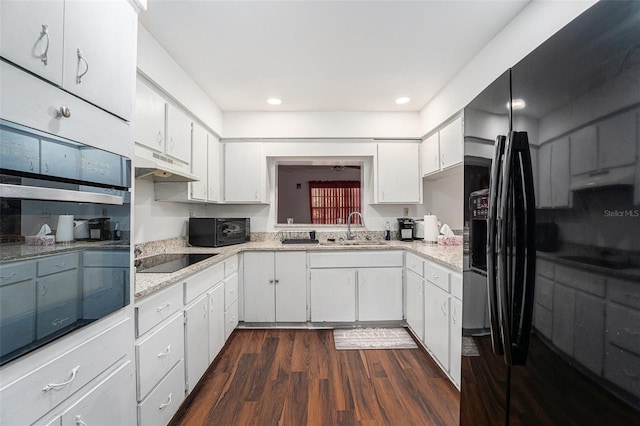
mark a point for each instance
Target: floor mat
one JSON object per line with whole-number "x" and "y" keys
{"x": 469, "y": 347}
{"x": 373, "y": 338}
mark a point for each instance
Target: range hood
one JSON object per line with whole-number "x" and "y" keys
{"x": 619, "y": 176}
{"x": 157, "y": 167}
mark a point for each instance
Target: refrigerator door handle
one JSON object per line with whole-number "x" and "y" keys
{"x": 492, "y": 291}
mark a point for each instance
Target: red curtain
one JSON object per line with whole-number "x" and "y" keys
{"x": 333, "y": 200}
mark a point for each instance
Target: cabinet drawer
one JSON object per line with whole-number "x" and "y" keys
{"x": 623, "y": 327}
{"x": 157, "y": 353}
{"x": 622, "y": 367}
{"x": 544, "y": 293}
{"x": 624, "y": 292}
{"x": 590, "y": 283}
{"x": 542, "y": 319}
{"x": 16, "y": 272}
{"x": 201, "y": 282}
{"x": 98, "y": 406}
{"x": 355, "y": 259}
{"x": 152, "y": 311}
{"x": 230, "y": 291}
{"x": 163, "y": 402}
{"x": 544, "y": 268}
{"x": 230, "y": 265}
{"x": 438, "y": 275}
{"x": 54, "y": 264}
{"x": 106, "y": 258}
{"x": 230, "y": 320}
{"x": 47, "y": 385}
{"x": 456, "y": 285}
{"x": 415, "y": 264}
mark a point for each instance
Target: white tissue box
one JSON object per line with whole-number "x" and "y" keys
{"x": 35, "y": 240}
{"x": 454, "y": 240}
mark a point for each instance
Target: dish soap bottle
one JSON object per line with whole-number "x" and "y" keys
{"x": 387, "y": 231}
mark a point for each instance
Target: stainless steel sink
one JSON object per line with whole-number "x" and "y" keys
{"x": 353, "y": 243}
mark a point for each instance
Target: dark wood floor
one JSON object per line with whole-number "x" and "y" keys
{"x": 297, "y": 377}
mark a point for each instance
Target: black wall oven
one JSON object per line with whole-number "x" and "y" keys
{"x": 53, "y": 277}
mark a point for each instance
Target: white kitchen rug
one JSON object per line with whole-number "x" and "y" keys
{"x": 373, "y": 338}
{"x": 469, "y": 347}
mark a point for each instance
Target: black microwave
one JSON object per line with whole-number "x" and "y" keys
{"x": 218, "y": 232}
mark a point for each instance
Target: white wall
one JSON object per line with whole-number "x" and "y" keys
{"x": 321, "y": 125}
{"x": 444, "y": 198}
{"x": 158, "y": 66}
{"x": 158, "y": 220}
{"x": 530, "y": 28}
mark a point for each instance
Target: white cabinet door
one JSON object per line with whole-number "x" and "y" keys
{"x": 291, "y": 286}
{"x": 564, "y": 307}
{"x": 199, "y": 161}
{"x": 216, "y": 321}
{"x": 415, "y": 304}
{"x": 333, "y": 295}
{"x": 178, "y": 134}
{"x": 213, "y": 169}
{"x": 244, "y": 173}
{"x": 436, "y": 323}
{"x": 259, "y": 291}
{"x": 544, "y": 176}
{"x": 196, "y": 342}
{"x": 111, "y": 402}
{"x": 584, "y": 150}
{"x": 618, "y": 131}
{"x": 149, "y": 117}
{"x": 455, "y": 347}
{"x": 560, "y": 173}
{"x": 398, "y": 173}
{"x": 451, "y": 144}
{"x": 32, "y": 36}
{"x": 590, "y": 322}
{"x": 379, "y": 294}
{"x": 100, "y": 53}
{"x": 430, "y": 154}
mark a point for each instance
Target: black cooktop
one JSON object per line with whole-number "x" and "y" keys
{"x": 166, "y": 263}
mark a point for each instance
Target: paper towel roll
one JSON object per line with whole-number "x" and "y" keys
{"x": 431, "y": 230}
{"x": 64, "y": 231}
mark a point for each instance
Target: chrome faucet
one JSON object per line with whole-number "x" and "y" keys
{"x": 349, "y": 234}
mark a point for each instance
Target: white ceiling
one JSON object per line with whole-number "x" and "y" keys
{"x": 324, "y": 55}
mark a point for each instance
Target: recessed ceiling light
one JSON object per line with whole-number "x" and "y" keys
{"x": 403, "y": 100}
{"x": 517, "y": 104}
{"x": 274, "y": 101}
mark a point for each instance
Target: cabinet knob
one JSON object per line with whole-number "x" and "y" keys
{"x": 63, "y": 112}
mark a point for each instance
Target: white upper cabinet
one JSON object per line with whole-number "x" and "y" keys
{"x": 554, "y": 175}
{"x": 178, "y": 143}
{"x": 87, "y": 48}
{"x": 100, "y": 53}
{"x": 149, "y": 117}
{"x": 213, "y": 169}
{"x": 32, "y": 36}
{"x": 618, "y": 131}
{"x": 544, "y": 176}
{"x": 198, "y": 189}
{"x": 244, "y": 173}
{"x": 451, "y": 144}
{"x": 431, "y": 154}
{"x": 444, "y": 149}
{"x": 584, "y": 150}
{"x": 398, "y": 173}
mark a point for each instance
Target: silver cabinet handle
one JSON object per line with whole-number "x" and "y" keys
{"x": 63, "y": 112}
{"x": 79, "y": 421}
{"x": 159, "y": 138}
{"x": 81, "y": 58}
{"x": 165, "y": 306}
{"x": 3, "y": 277}
{"x": 45, "y": 52}
{"x": 51, "y": 386}
{"x": 442, "y": 308}
{"x": 166, "y": 404}
{"x": 205, "y": 308}
{"x": 165, "y": 353}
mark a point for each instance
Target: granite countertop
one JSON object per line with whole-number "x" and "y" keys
{"x": 10, "y": 252}
{"x": 148, "y": 283}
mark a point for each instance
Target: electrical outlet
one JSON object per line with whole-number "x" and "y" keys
{"x": 45, "y": 213}
{"x": 406, "y": 212}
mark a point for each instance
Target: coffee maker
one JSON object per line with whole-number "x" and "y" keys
{"x": 405, "y": 228}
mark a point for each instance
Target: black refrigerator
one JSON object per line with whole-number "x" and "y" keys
{"x": 561, "y": 254}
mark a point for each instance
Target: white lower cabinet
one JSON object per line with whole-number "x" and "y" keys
{"x": 196, "y": 333}
{"x": 379, "y": 294}
{"x": 415, "y": 304}
{"x": 216, "y": 321}
{"x": 455, "y": 344}
{"x": 275, "y": 286}
{"x": 333, "y": 295}
{"x": 436, "y": 323}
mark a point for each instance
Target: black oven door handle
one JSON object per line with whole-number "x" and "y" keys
{"x": 54, "y": 194}
{"x": 494, "y": 196}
